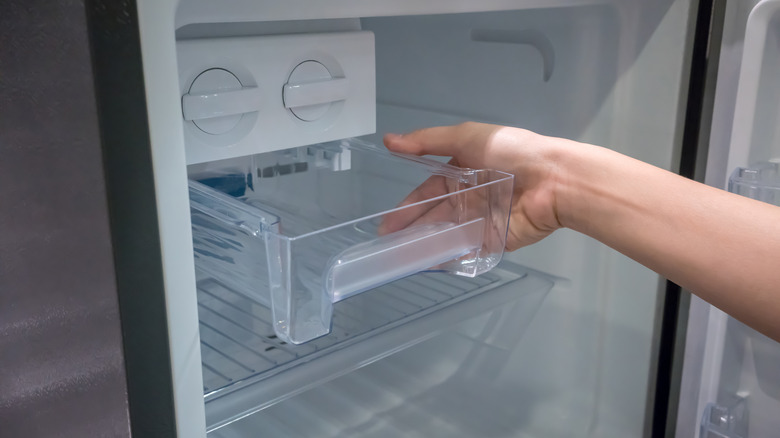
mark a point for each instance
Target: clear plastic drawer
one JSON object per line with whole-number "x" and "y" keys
{"x": 298, "y": 231}
{"x": 760, "y": 181}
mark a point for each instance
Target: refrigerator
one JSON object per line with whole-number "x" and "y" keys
{"x": 245, "y": 180}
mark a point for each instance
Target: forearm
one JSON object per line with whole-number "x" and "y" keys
{"x": 723, "y": 247}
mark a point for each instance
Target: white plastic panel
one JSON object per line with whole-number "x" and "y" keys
{"x": 756, "y": 129}
{"x": 205, "y": 11}
{"x": 513, "y": 68}
{"x": 158, "y": 51}
{"x": 281, "y": 103}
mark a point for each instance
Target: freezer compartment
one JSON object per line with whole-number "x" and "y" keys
{"x": 298, "y": 231}
{"x": 247, "y": 368}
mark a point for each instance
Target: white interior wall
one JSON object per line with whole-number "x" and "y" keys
{"x": 765, "y": 143}
{"x": 617, "y": 82}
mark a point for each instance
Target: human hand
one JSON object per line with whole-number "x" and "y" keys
{"x": 721, "y": 246}
{"x": 528, "y": 156}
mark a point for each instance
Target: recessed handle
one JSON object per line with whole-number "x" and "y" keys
{"x": 530, "y": 37}
{"x": 222, "y": 103}
{"x": 315, "y": 93}
{"x": 394, "y": 256}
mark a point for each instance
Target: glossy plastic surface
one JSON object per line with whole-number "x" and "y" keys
{"x": 286, "y": 91}
{"x": 300, "y": 230}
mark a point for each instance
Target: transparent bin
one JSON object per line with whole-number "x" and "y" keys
{"x": 301, "y": 230}
{"x": 760, "y": 181}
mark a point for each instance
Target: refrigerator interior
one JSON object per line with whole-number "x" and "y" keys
{"x": 730, "y": 371}
{"x": 578, "y": 360}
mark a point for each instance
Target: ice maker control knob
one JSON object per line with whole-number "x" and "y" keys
{"x": 311, "y": 90}
{"x": 217, "y": 100}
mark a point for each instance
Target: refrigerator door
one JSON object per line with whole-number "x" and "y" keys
{"x": 730, "y": 377}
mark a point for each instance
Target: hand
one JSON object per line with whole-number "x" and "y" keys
{"x": 528, "y": 156}
{"x": 721, "y": 246}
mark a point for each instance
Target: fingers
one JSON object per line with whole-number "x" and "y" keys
{"x": 441, "y": 141}
{"x": 397, "y": 220}
{"x": 474, "y": 145}
{"x": 465, "y": 142}
{"x": 529, "y": 156}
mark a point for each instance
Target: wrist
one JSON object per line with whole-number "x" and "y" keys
{"x": 575, "y": 173}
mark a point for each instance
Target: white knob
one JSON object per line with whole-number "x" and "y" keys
{"x": 217, "y": 100}
{"x": 311, "y": 90}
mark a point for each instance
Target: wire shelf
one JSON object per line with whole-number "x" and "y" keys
{"x": 238, "y": 341}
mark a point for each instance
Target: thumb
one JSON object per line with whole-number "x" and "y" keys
{"x": 397, "y": 143}
{"x": 430, "y": 141}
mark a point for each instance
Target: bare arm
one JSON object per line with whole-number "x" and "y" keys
{"x": 723, "y": 247}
